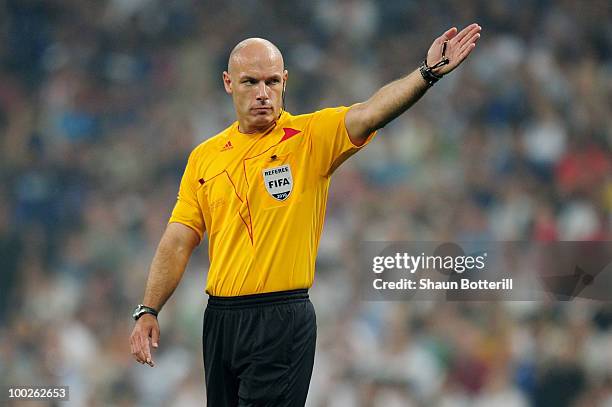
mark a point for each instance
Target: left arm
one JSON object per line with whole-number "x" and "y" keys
{"x": 395, "y": 98}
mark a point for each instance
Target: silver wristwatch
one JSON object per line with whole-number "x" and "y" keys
{"x": 143, "y": 309}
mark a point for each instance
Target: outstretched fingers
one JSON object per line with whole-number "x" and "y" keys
{"x": 470, "y": 38}
{"x": 459, "y": 46}
{"x": 465, "y": 50}
{"x": 449, "y": 34}
{"x": 466, "y": 33}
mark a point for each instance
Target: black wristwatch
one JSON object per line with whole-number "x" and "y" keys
{"x": 143, "y": 309}
{"x": 427, "y": 71}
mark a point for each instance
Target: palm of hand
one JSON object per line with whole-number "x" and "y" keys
{"x": 458, "y": 47}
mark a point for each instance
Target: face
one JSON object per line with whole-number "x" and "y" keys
{"x": 255, "y": 80}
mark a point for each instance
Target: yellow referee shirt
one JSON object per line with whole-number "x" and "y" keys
{"x": 262, "y": 199}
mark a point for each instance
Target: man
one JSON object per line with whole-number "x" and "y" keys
{"x": 260, "y": 189}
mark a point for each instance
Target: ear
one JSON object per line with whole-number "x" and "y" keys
{"x": 227, "y": 82}
{"x": 285, "y": 77}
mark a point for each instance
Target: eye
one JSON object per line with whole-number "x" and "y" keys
{"x": 250, "y": 81}
{"x": 274, "y": 81}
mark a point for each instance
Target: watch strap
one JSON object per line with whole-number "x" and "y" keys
{"x": 143, "y": 309}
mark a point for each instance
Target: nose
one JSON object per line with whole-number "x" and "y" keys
{"x": 262, "y": 91}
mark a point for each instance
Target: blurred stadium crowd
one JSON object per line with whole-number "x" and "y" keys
{"x": 101, "y": 102}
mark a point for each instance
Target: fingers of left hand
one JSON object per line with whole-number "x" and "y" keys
{"x": 466, "y": 34}
{"x": 449, "y": 34}
{"x": 467, "y": 44}
{"x": 470, "y": 38}
{"x": 464, "y": 52}
{"x": 471, "y": 42}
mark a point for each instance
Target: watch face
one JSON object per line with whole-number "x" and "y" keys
{"x": 141, "y": 310}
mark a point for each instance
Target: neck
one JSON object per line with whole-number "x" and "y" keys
{"x": 245, "y": 129}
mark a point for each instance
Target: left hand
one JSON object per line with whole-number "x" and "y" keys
{"x": 458, "y": 47}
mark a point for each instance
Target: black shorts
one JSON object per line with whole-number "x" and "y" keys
{"x": 259, "y": 349}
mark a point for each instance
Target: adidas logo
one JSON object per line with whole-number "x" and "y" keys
{"x": 227, "y": 146}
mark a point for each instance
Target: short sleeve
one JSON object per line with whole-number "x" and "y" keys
{"x": 187, "y": 209}
{"x": 330, "y": 140}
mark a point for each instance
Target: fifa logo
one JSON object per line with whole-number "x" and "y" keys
{"x": 278, "y": 181}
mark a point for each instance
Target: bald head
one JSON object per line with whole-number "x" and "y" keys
{"x": 254, "y": 51}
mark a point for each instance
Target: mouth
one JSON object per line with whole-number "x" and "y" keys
{"x": 261, "y": 110}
